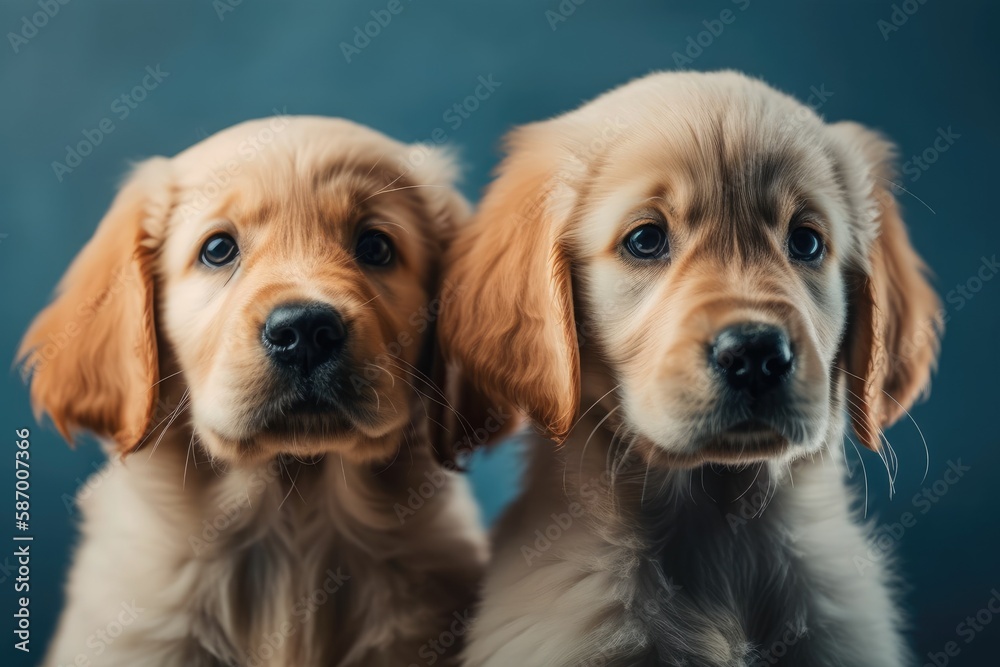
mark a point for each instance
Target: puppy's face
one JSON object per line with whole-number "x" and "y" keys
{"x": 290, "y": 263}
{"x": 293, "y": 300}
{"x": 720, "y": 269}
{"x": 712, "y": 278}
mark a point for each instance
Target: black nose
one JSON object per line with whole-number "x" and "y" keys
{"x": 754, "y": 358}
{"x": 303, "y": 336}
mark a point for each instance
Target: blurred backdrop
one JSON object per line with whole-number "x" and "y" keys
{"x": 923, "y": 71}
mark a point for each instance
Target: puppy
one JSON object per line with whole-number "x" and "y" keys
{"x": 688, "y": 283}
{"x": 252, "y": 325}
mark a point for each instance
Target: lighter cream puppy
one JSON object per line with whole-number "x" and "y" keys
{"x": 690, "y": 283}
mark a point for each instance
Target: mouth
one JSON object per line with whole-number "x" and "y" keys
{"x": 304, "y": 415}
{"x": 304, "y": 421}
{"x": 749, "y": 427}
{"x": 750, "y": 440}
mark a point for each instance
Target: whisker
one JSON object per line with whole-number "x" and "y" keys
{"x": 927, "y": 451}
{"x": 617, "y": 467}
{"x": 285, "y": 468}
{"x": 592, "y": 407}
{"x": 385, "y": 191}
{"x": 645, "y": 478}
{"x": 760, "y": 466}
{"x": 394, "y": 458}
{"x": 187, "y": 457}
{"x": 181, "y": 406}
{"x": 864, "y": 471}
{"x": 897, "y": 185}
{"x": 889, "y": 458}
{"x": 166, "y": 378}
{"x": 381, "y": 190}
{"x": 430, "y": 398}
{"x": 603, "y": 419}
{"x": 882, "y": 455}
{"x": 764, "y": 501}
{"x": 160, "y": 423}
{"x": 703, "y": 489}
{"x": 464, "y": 423}
{"x": 369, "y": 301}
{"x": 375, "y": 164}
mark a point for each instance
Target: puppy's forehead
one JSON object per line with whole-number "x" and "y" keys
{"x": 321, "y": 169}
{"x": 708, "y": 147}
{"x": 311, "y": 137}
{"x": 731, "y": 163}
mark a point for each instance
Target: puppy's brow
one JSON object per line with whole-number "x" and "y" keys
{"x": 752, "y": 188}
{"x": 258, "y": 214}
{"x": 365, "y": 174}
{"x": 660, "y": 196}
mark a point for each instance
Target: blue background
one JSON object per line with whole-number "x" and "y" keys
{"x": 938, "y": 70}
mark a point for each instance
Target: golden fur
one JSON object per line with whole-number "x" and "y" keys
{"x": 162, "y": 358}
{"x": 558, "y": 206}
{"x": 607, "y": 354}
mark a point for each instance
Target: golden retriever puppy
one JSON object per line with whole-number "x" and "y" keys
{"x": 252, "y": 324}
{"x": 688, "y": 283}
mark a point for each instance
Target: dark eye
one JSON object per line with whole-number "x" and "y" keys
{"x": 805, "y": 244}
{"x": 219, "y": 250}
{"x": 374, "y": 248}
{"x": 647, "y": 242}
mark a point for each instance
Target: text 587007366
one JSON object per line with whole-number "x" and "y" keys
{"x": 21, "y": 539}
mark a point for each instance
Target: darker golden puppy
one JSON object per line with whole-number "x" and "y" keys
{"x": 254, "y": 319}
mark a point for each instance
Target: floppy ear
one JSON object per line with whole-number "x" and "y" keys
{"x": 511, "y": 326}
{"x": 91, "y": 356}
{"x": 460, "y": 417}
{"x": 896, "y": 323}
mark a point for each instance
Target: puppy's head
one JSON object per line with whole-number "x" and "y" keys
{"x": 707, "y": 258}
{"x": 279, "y": 277}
